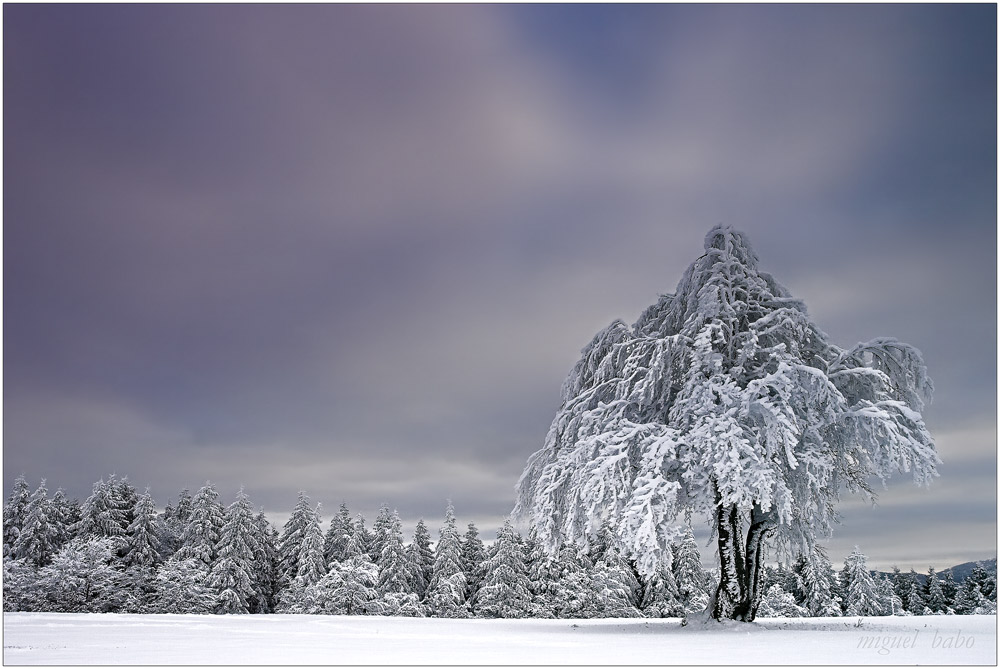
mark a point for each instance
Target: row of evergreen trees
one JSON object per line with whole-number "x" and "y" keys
{"x": 115, "y": 552}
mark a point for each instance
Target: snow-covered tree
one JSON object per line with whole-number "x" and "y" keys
{"x": 473, "y": 555}
{"x": 265, "y": 542}
{"x": 817, "y": 577}
{"x": 447, "y": 564}
{"x": 692, "y": 590}
{"x": 290, "y": 544}
{"x": 863, "y": 597}
{"x": 780, "y": 604}
{"x": 421, "y": 559}
{"x": 142, "y": 547}
{"x": 393, "y": 563}
{"x": 616, "y": 587}
{"x": 891, "y": 603}
{"x": 338, "y": 536}
{"x": 232, "y": 575}
{"x": 349, "y": 588}
{"x": 201, "y": 534}
{"x": 180, "y": 587}
{"x": 360, "y": 539}
{"x": 504, "y": 592}
{"x": 101, "y": 514}
{"x": 36, "y": 542}
{"x": 933, "y": 593}
{"x": 542, "y": 578}
{"x": 311, "y": 562}
{"x": 915, "y": 599}
{"x": 660, "y": 598}
{"x": 724, "y": 399}
{"x": 81, "y": 577}
{"x": 13, "y": 513}
{"x": 65, "y": 514}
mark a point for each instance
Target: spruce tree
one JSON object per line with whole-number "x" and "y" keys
{"x": 101, "y": 515}
{"x": 201, "y": 534}
{"x": 13, "y": 513}
{"x": 915, "y": 599}
{"x": 932, "y": 592}
{"x": 445, "y": 594}
{"x": 473, "y": 555}
{"x": 863, "y": 597}
{"x": 504, "y": 592}
{"x": 393, "y": 561}
{"x": 232, "y": 574}
{"x": 36, "y": 542}
{"x": 688, "y": 574}
{"x": 421, "y": 559}
{"x": 290, "y": 544}
{"x": 338, "y": 536}
{"x": 142, "y": 549}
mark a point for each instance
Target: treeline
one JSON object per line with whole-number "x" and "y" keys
{"x": 116, "y": 553}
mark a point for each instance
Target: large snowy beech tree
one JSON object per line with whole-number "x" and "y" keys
{"x": 82, "y": 577}
{"x": 724, "y": 399}
{"x": 13, "y": 513}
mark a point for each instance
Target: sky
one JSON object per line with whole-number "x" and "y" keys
{"x": 355, "y": 249}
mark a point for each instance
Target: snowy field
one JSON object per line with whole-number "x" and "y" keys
{"x": 65, "y": 638}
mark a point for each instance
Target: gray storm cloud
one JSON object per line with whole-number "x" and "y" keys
{"x": 355, "y": 249}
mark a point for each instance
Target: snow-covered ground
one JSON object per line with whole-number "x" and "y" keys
{"x": 63, "y": 638}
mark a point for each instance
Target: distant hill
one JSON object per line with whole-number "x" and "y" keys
{"x": 959, "y": 572}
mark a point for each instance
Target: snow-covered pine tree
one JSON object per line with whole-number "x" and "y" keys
{"x": 65, "y": 514}
{"x": 338, "y": 536}
{"x": 724, "y": 399}
{"x": 448, "y": 551}
{"x": 142, "y": 548}
{"x": 311, "y": 562}
{"x": 863, "y": 597}
{"x": 13, "y": 513}
{"x": 201, "y": 534}
{"x": 616, "y": 586}
{"x": 359, "y": 541}
{"x": 265, "y": 542}
{"x": 891, "y": 603}
{"x": 124, "y": 496}
{"x": 473, "y": 555}
{"x": 36, "y": 542}
{"x": 290, "y": 544}
{"x": 688, "y": 573}
{"x": 393, "y": 564}
{"x": 817, "y": 578}
{"x": 949, "y": 588}
{"x": 542, "y": 578}
{"x": 933, "y": 594}
{"x": 915, "y": 598}
{"x": 349, "y": 588}
{"x": 660, "y": 597}
{"x": 421, "y": 559}
{"x": 504, "y": 591}
{"x": 101, "y": 515}
{"x": 573, "y": 593}
{"x": 380, "y": 531}
{"x": 232, "y": 574}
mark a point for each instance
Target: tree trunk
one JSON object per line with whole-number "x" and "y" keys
{"x": 741, "y": 562}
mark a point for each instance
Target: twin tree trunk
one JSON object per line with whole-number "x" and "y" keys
{"x": 740, "y": 561}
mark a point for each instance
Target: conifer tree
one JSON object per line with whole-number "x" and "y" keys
{"x": 64, "y": 515}
{"x": 36, "y": 542}
{"x": 14, "y": 512}
{"x": 232, "y": 574}
{"x": 201, "y": 534}
{"x": 101, "y": 515}
{"x": 290, "y": 544}
{"x": 688, "y": 574}
{"x": 817, "y": 585}
{"x": 311, "y": 563}
{"x": 933, "y": 594}
{"x": 473, "y": 555}
{"x": 660, "y": 597}
{"x": 863, "y": 597}
{"x": 265, "y": 539}
{"x": 180, "y": 587}
{"x": 915, "y": 599}
{"x": 504, "y": 592}
{"x": 421, "y": 559}
{"x": 445, "y": 594}
{"x": 143, "y": 543}
{"x": 891, "y": 603}
{"x": 542, "y": 578}
{"x": 359, "y": 541}
{"x": 393, "y": 563}
{"x": 338, "y": 536}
